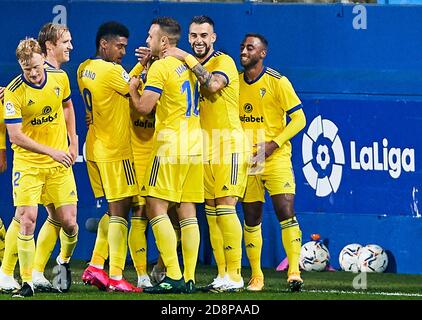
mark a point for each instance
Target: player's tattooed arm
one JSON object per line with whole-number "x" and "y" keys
{"x": 213, "y": 82}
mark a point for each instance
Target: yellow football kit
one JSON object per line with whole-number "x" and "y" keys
{"x": 142, "y": 132}
{"x": 104, "y": 89}
{"x": 264, "y": 104}
{"x": 40, "y": 110}
{"x": 227, "y": 156}
{"x": 175, "y": 172}
{"x": 2, "y": 128}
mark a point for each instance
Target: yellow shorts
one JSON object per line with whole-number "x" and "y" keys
{"x": 140, "y": 162}
{"x": 115, "y": 180}
{"x": 175, "y": 179}
{"x": 227, "y": 178}
{"x": 277, "y": 177}
{"x": 32, "y": 186}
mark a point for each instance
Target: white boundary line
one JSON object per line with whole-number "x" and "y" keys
{"x": 365, "y": 292}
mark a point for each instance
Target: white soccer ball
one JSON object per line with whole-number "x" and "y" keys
{"x": 314, "y": 256}
{"x": 348, "y": 257}
{"x": 372, "y": 258}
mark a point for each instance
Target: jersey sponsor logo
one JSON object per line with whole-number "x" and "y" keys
{"x": 144, "y": 124}
{"x": 324, "y": 157}
{"x": 125, "y": 76}
{"x": 41, "y": 120}
{"x": 10, "y": 109}
{"x": 30, "y": 103}
{"x": 248, "y": 108}
{"x": 46, "y": 110}
{"x": 251, "y": 118}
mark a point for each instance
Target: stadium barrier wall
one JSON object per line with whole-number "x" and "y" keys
{"x": 358, "y": 72}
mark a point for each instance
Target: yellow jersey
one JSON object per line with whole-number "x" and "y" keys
{"x": 40, "y": 110}
{"x": 142, "y": 130}
{"x": 2, "y": 128}
{"x": 220, "y": 110}
{"x": 264, "y": 104}
{"x": 177, "y": 126}
{"x": 104, "y": 87}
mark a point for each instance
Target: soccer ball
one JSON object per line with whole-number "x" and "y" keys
{"x": 348, "y": 257}
{"x": 314, "y": 256}
{"x": 372, "y": 258}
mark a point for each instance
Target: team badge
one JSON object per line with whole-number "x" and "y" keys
{"x": 57, "y": 91}
{"x": 262, "y": 92}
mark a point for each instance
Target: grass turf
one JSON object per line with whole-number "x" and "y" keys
{"x": 318, "y": 286}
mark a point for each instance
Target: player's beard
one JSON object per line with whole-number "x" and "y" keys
{"x": 252, "y": 62}
{"x": 203, "y": 54}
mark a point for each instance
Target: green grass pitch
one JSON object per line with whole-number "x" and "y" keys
{"x": 318, "y": 286}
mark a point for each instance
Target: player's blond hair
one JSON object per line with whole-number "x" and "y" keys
{"x": 26, "y": 49}
{"x": 50, "y": 32}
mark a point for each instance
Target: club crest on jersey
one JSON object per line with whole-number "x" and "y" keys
{"x": 262, "y": 92}
{"x": 248, "y": 108}
{"x": 57, "y": 91}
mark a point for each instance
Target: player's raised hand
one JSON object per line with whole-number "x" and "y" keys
{"x": 175, "y": 52}
{"x": 143, "y": 55}
{"x": 62, "y": 157}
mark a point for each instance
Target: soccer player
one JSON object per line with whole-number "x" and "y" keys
{"x": 8, "y": 257}
{"x": 226, "y": 157}
{"x": 3, "y": 166}
{"x": 42, "y": 162}
{"x": 174, "y": 172}
{"x": 55, "y": 41}
{"x": 268, "y": 97}
{"x": 103, "y": 84}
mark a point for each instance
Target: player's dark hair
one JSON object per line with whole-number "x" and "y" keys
{"x": 201, "y": 20}
{"x": 170, "y": 27}
{"x": 110, "y": 30}
{"x": 261, "y": 38}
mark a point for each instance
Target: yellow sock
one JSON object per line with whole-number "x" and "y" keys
{"x": 190, "y": 246}
{"x": 2, "y": 236}
{"x": 26, "y": 252}
{"x": 11, "y": 248}
{"x": 165, "y": 238}
{"x": 100, "y": 252}
{"x": 138, "y": 244}
{"x": 117, "y": 242}
{"x": 231, "y": 228}
{"x": 292, "y": 241}
{"x": 46, "y": 241}
{"x": 253, "y": 245}
{"x": 216, "y": 239}
{"x": 67, "y": 245}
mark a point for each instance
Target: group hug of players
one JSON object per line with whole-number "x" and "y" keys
{"x": 180, "y": 129}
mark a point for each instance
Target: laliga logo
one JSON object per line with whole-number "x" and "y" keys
{"x": 322, "y": 139}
